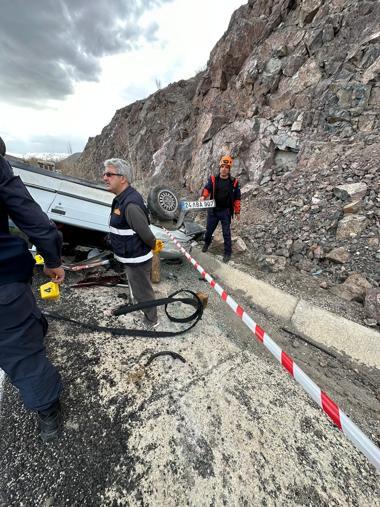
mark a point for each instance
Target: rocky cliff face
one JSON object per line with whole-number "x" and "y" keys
{"x": 292, "y": 92}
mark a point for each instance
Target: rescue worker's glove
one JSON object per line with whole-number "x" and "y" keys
{"x": 158, "y": 246}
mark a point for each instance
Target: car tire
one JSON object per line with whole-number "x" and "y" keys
{"x": 163, "y": 202}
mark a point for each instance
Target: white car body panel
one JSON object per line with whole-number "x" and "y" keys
{"x": 82, "y": 204}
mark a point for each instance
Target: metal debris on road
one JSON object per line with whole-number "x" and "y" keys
{"x": 103, "y": 281}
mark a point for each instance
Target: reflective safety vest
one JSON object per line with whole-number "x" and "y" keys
{"x": 127, "y": 245}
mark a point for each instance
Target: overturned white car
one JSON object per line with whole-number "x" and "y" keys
{"x": 81, "y": 209}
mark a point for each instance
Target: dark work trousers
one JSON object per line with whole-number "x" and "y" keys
{"x": 213, "y": 218}
{"x": 22, "y": 351}
{"x": 141, "y": 286}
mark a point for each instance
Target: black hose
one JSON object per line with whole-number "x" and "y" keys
{"x": 174, "y": 355}
{"x": 194, "y": 301}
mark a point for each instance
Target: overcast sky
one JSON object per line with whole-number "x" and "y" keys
{"x": 67, "y": 65}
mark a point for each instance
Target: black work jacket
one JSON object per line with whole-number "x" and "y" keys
{"x": 16, "y": 262}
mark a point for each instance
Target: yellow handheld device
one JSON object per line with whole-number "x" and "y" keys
{"x": 39, "y": 260}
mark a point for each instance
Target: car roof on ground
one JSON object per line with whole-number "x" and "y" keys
{"x": 16, "y": 162}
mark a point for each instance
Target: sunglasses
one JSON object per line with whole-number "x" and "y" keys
{"x": 109, "y": 175}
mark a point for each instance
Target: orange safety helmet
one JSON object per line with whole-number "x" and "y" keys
{"x": 226, "y": 160}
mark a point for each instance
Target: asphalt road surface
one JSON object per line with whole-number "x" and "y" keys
{"x": 228, "y": 427}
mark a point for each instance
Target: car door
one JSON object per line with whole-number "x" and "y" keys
{"x": 79, "y": 212}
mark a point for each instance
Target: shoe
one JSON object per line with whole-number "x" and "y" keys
{"x": 50, "y": 425}
{"x": 226, "y": 258}
{"x": 205, "y": 248}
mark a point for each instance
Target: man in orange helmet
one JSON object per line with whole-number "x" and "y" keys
{"x": 226, "y": 192}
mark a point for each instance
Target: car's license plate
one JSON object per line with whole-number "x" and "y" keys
{"x": 197, "y": 204}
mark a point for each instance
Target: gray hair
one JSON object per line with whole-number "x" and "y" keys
{"x": 123, "y": 167}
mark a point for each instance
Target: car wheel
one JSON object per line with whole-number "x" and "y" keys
{"x": 163, "y": 202}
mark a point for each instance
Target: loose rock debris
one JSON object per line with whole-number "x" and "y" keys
{"x": 226, "y": 427}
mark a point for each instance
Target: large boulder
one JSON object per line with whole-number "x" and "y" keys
{"x": 354, "y": 288}
{"x": 352, "y": 207}
{"x": 351, "y": 191}
{"x": 273, "y": 263}
{"x": 339, "y": 255}
{"x": 238, "y": 244}
{"x": 372, "y": 304}
{"x": 309, "y": 9}
{"x": 351, "y": 226}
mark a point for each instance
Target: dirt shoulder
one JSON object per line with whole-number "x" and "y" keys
{"x": 300, "y": 285}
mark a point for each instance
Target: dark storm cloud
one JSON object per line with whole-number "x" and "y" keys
{"x": 48, "y": 45}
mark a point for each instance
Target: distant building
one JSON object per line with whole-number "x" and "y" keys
{"x": 48, "y": 165}
{"x": 45, "y": 164}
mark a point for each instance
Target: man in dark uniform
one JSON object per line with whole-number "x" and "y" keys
{"x": 130, "y": 236}
{"x": 226, "y": 192}
{"x": 22, "y": 326}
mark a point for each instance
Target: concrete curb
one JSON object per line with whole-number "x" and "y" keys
{"x": 327, "y": 328}
{"x": 332, "y": 330}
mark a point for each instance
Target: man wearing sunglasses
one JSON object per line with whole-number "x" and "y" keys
{"x": 226, "y": 192}
{"x": 130, "y": 236}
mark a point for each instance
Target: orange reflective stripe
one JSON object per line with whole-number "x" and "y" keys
{"x": 213, "y": 186}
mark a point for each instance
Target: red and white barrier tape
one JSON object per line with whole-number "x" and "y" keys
{"x": 339, "y": 418}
